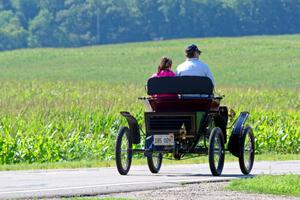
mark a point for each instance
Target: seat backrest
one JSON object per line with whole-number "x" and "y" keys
{"x": 180, "y": 85}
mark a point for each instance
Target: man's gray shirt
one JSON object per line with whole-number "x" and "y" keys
{"x": 194, "y": 67}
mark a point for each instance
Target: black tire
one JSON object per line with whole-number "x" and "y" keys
{"x": 247, "y": 149}
{"x": 154, "y": 162}
{"x": 216, "y": 151}
{"x": 123, "y": 150}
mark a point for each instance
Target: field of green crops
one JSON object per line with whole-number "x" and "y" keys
{"x": 63, "y": 104}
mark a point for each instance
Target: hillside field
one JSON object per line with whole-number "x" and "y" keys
{"x": 63, "y": 104}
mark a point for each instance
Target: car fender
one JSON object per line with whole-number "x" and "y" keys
{"x": 236, "y": 134}
{"x": 133, "y": 127}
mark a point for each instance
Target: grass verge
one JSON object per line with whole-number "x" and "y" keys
{"x": 288, "y": 185}
{"x": 138, "y": 161}
{"x": 95, "y": 198}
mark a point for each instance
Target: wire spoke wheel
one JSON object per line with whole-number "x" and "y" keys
{"x": 123, "y": 150}
{"x": 246, "y": 158}
{"x": 216, "y": 151}
{"x": 154, "y": 162}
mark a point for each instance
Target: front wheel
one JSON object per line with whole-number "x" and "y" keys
{"x": 246, "y": 158}
{"x": 216, "y": 151}
{"x": 123, "y": 150}
{"x": 154, "y": 162}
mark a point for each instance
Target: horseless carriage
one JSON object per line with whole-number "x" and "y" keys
{"x": 192, "y": 122}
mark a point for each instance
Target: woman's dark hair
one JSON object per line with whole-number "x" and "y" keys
{"x": 165, "y": 63}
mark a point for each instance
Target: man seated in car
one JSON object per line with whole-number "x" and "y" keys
{"x": 193, "y": 66}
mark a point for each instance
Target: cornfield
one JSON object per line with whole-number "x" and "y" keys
{"x": 67, "y": 121}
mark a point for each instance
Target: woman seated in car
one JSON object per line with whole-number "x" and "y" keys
{"x": 164, "y": 70}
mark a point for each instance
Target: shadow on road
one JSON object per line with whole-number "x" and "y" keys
{"x": 194, "y": 175}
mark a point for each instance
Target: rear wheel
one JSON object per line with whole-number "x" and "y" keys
{"x": 154, "y": 162}
{"x": 246, "y": 158}
{"x": 216, "y": 151}
{"x": 123, "y": 150}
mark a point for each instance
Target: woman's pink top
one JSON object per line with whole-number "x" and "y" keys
{"x": 164, "y": 73}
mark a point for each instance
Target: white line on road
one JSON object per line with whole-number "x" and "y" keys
{"x": 115, "y": 184}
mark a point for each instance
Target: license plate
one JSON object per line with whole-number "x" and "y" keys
{"x": 164, "y": 140}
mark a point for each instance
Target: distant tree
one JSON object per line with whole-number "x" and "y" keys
{"x": 75, "y": 23}
{"x": 39, "y": 23}
{"x": 220, "y": 19}
{"x": 172, "y": 14}
{"x": 247, "y": 13}
{"x": 12, "y": 35}
{"x": 26, "y": 10}
{"x": 291, "y": 16}
{"x": 267, "y": 16}
{"x": 53, "y": 6}
{"x": 149, "y": 18}
{"x": 278, "y": 17}
{"x": 5, "y": 5}
{"x": 119, "y": 21}
{"x": 41, "y": 30}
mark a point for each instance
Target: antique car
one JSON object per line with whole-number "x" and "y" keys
{"x": 185, "y": 118}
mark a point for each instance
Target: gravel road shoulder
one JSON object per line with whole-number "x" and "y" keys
{"x": 212, "y": 191}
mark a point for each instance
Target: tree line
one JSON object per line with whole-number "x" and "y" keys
{"x": 72, "y": 23}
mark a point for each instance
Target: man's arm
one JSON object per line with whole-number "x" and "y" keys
{"x": 209, "y": 75}
{"x": 178, "y": 71}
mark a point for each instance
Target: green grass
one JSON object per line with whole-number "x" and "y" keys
{"x": 136, "y": 161}
{"x": 271, "y": 61}
{"x": 61, "y": 105}
{"x": 96, "y": 198}
{"x": 288, "y": 185}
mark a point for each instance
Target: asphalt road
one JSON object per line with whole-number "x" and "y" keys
{"x": 74, "y": 182}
